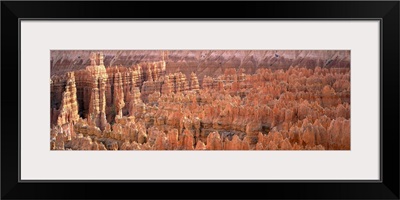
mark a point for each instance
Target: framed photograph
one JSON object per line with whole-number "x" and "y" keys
{"x": 191, "y": 96}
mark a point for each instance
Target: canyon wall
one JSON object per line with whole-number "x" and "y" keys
{"x": 203, "y": 62}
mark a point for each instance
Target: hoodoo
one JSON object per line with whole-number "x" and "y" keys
{"x": 200, "y": 100}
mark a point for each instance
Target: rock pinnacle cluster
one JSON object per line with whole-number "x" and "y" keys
{"x": 197, "y": 100}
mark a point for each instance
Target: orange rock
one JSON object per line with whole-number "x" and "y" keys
{"x": 118, "y": 94}
{"x": 200, "y": 146}
{"x": 235, "y": 144}
{"x": 173, "y": 139}
{"x": 186, "y": 141}
{"x": 161, "y": 142}
{"x": 339, "y": 132}
{"x": 214, "y": 141}
{"x": 194, "y": 82}
{"x": 69, "y": 105}
{"x": 285, "y": 145}
{"x": 259, "y": 146}
{"x": 107, "y": 105}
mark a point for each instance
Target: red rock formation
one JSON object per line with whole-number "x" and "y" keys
{"x": 85, "y": 143}
{"x": 97, "y": 104}
{"x": 194, "y": 82}
{"x": 186, "y": 141}
{"x": 339, "y": 134}
{"x": 118, "y": 94}
{"x": 140, "y": 107}
{"x": 235, "y": 144}
{"x": 161, "y": 142}
{"x": 69, "y": 106}
{"x": 149, "y": 87}
{"x": 207, "y": 82}
{"x": 214, "y": 141}
{"x": 200, "y": 146}
{"x": 167, "y": 86}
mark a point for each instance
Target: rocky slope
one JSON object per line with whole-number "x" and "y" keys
{"x": 147, "y": 103}
{"x": 203, "y": 62}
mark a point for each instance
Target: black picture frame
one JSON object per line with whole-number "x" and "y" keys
{"x": 386, "y": 11}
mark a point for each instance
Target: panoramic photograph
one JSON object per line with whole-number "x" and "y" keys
{"x": 200, "y": 100}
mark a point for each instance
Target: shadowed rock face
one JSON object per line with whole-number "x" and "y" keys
{"x": 200, "y": 100}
